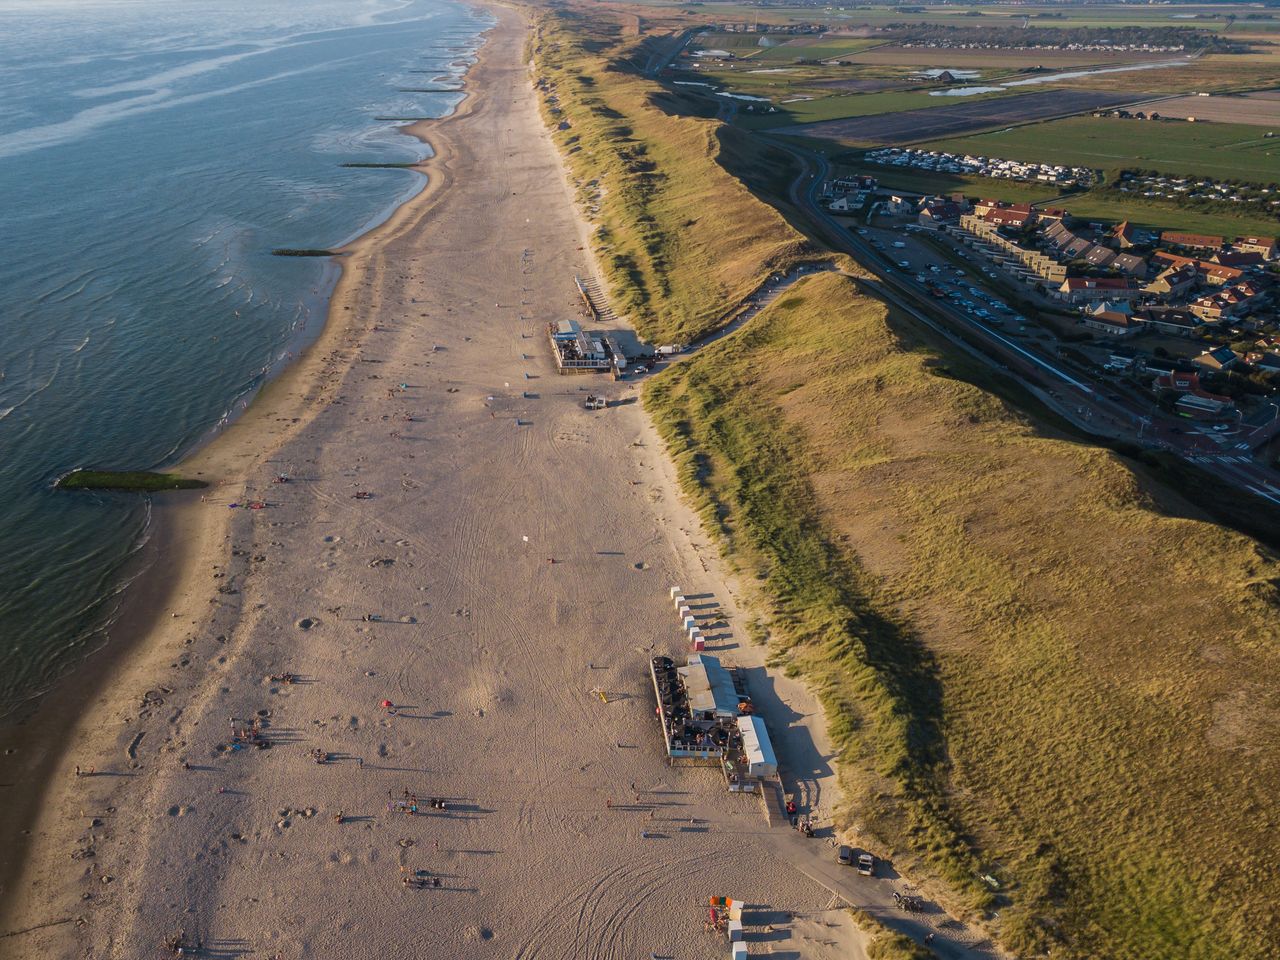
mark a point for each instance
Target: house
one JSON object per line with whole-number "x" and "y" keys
{"x": 1225, "y": 304}
{"x": 844, "y": 205}
{"x": 1113, "y": 322}
{"x": 1193, "y": 241}
{"x": 1238, "y": 259}
{"x": 1099, "y": 256}
{"x": 983, "y": 207}
{"x": 1129, "y": 265}
{"x": 1178, "y": 323}
{"x": 897, "y": 206}
{"x": 1265, "y": 246}
{"x": 1165, "y": 260}
{"x": 1210, "y": 272}
{"x": 1008, "y": 217}
{"x": 1124, "y": 235}
{"x": 1087, "y": 289}
{"x": 1217, "y": 275}
{"x": 1219, "y": 358}
{"x": 1051, "y": 215}
{"x": 1175, "y": 282}
{"x": 936, "y": 214}
{"x": 1179, "y": 381}
{"x": 1265, "y": 361}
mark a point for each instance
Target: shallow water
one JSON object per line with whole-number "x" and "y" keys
{"x": 151, "y": 156}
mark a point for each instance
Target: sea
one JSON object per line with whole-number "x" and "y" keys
{"x": 152, "y": 155}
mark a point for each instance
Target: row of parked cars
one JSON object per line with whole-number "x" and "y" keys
{"x": 865, "y": 862}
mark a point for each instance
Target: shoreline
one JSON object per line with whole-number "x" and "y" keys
{"x": 42, "y": 740}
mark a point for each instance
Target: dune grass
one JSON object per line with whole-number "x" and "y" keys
{"x": 1031, "y": 669}
{"x": 132, "y": 481}
{"x": 681, "y": 242}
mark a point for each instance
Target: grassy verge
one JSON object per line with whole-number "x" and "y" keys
{"x": 133, "y": 481}
{"x": 888, "y": 944}
{"x": 988, "y": 615}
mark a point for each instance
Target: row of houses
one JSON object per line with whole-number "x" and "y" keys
{"x": 1225, "y": 283}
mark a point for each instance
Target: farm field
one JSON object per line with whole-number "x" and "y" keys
{"x": 1209, "y": 150}
{"x": 816, "y": 48}
{"x": 952, "y": 119}
{"x": 1211, "y": 73}
{"x": 1260, "y": 109}
{"x": 834, "y": 109}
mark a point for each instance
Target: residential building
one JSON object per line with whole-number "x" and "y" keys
{"x": 1192, "y": 241}
{"x": 1174, "y": 283}
{"x": 1087, "y": 289}
{"x": 1129, "y": 264}
{"x": 1099, "y": 256}
{"x": 1265, "y": 246}
{"x": 937, "y": 214}
{"x": 1219, "y": 358}
{"x": 1113, "y": 323}
{"x": 1124, "y": 235}
{"x": 1170, "y": 320}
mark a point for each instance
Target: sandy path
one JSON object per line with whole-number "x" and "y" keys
{"x": 489, "y": 651}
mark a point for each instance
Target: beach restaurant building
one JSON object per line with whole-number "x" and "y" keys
{"x": 699, "y": 705}
{"x": 757, "y": 750}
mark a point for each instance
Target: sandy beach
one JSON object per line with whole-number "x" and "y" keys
{"x": 458, "y": 537}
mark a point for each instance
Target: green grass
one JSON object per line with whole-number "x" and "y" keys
{"x": 133, "y": 481}
{"x": 680, "y": 240}
{"x": 888, "y": 944}
{"x": 841, "y": 106}
{"x": 1219, "y": 150}
{"x": 829, "y": 49}
{"x": 983, "y": 611}
{"x": 741, "y": 463}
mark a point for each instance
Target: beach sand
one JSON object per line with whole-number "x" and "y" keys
{"x": 433, "y": 391}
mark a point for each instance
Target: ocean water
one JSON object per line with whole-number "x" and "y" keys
{"x": 152, "y": 154}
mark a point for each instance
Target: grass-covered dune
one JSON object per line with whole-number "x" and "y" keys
{"x": 681, "y": 241}
{"x": 133, "y": 481}
{"x": 1031, "y": 668}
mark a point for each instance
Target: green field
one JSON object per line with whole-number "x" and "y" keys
{"x": 847, "y": 105}
{"x": 1221, "y": 150}
{"x": 828, "y": 49}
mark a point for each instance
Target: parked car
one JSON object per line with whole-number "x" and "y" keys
{"x": 844, "y": 855}
{"x": 866, "y": 865}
